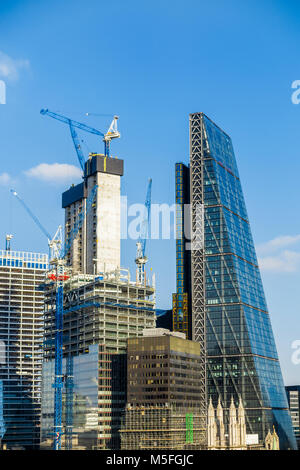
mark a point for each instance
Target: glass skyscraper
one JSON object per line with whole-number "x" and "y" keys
{"x": 229, "y": 315}
{"x": 182, "y": 320}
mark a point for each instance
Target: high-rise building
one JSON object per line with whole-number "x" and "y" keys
{"x": 182, "y": 299}
{"x": 229, "y": 315}
{"x": 293, "y": 396}
{"x": 100, "y": 313}
{"x": 163, "y": 408}
{"x": 21, "y": 338}
{"x": 97, "y": 246}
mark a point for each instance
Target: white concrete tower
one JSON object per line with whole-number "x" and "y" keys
{"x": 97, "y": 247}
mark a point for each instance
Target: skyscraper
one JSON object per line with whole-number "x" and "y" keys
{"x": 182, "y": 301}
{"x": 229, "y": 315}
{"x": 21, "y": 338}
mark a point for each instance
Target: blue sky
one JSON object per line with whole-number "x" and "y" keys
{"x": 153, "y": 63}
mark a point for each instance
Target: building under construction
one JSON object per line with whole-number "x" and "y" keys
{"x": 102, "y": 308}
{"x": 97, "y": 246}
{"x": 163, "y": 408}
{"x": 101, "y": 311}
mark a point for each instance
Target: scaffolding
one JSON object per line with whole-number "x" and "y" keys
{"x": 161, "y": 427}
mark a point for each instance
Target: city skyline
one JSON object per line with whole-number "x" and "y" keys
{"x": 255, "y": 109}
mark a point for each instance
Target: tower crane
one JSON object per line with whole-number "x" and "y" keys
{"x": 57, "y": 260}
{"x": 54, "y": 243}
{"x": 59, "y": 277}
{"x": 141, "y": 258}
{"x": 111, "y": 134}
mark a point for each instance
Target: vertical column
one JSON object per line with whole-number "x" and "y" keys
{"x": 197, "y": 250}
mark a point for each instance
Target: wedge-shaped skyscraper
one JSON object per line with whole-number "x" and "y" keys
{"x": 227, "y": 311}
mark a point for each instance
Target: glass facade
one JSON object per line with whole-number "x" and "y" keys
{"x": 2, "y": 424}
{"x": 241, "y": 352}
{"x": 241, "y": 356}
{"x": 164, "y": 319}
{"x": 182, "y": 298}
{"x": 94, "y": 390}
{"x": 80, "y": 401}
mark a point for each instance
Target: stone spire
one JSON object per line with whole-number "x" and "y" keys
{"x": 220, "y": 424}
{"x": 211, "y": 427}
{"x": 268, "y": 441}
{"x": 233, "y": 428}
{"x": 241, "y": 424}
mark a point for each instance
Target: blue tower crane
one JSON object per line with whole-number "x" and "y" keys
{"x": 112, "y": 133}
{"x": 60, "y": 276}
{"x": 54, "y": 243}
{"x": 141, "y": 258}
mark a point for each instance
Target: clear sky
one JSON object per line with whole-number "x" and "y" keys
{"x": 153, "y": 63}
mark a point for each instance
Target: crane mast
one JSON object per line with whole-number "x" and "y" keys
{"x": 59, "y": 277}
{"x": 141, "y": 258}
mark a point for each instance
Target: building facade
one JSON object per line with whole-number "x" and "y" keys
{"x": 164, "y": 319}
{"x": 229, "y": 312}
{"x": 97, "y": 246}
{"x": 182, "y": 299}
{"x": 100, "y": 313}
{"x": 293, "y": 396}
{"x": 2, "y": 423}
{"x": 21, "y": 338}
{"x": 163, "y": 408}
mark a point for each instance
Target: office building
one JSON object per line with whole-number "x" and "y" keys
{"x": 97, "y": 246}
{"x": 182, "y": 299}
{"x": 163, "y": 408}
{"x": 293, "y": 396}
{"x": 21, "y": 338}
{"x": 229, "y": 315}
